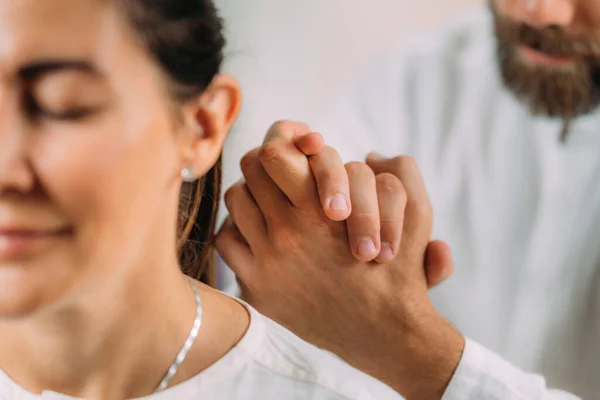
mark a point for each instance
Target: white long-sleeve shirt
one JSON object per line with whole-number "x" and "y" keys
{"x": 268, "y": 363}
{"x": 520, "y": 210}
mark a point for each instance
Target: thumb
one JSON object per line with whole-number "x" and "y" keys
{"x": 310, "y": 144}
{"x": 439, "y": 264}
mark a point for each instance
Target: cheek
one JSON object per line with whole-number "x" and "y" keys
{"x": 509, "y": 8}
{"x": 108, "y": 178}
{"x": 592, "y": 13}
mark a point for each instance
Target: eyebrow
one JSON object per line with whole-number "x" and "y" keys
{"x": 36, "y": 69}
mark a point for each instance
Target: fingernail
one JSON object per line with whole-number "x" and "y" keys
{"x": 366, "y": 247}
{"x": 386, "y": 253}
{"x": 338, "y": 202}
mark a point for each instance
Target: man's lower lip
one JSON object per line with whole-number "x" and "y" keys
{"x": 541, "y": 58}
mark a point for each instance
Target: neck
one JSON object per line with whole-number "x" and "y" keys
{"x": 103, "y": 345}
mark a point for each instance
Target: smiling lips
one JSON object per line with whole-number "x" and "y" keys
{"x": 19, "y": 241}
{"x": 540, "y": 58}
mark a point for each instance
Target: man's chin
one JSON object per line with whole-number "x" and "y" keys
{"x": 564, "y": 89}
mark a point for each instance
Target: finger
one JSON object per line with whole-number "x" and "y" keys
{"x": 439, "y": 265}
{"x": 236, "y": 254}
{"x": 270, "y": 199}
{"x": 418, "y": 219}
{"x": 246, "y": 215}
{"x": 288, "y": 167}
{"x": 287, "y": 131}
{"x": 332, "y": 183}
{"x": 310, "y": 144}
{"x": 392, "y": 201}
{"x": 363, "y": 223}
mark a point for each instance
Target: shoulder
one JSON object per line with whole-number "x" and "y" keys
{"x": 283, "y": 356}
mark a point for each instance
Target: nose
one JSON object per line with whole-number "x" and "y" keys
{"x": 15, "y": 174}
{"x": 539, "y": 13}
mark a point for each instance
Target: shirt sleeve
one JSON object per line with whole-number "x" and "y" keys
{"x": 483, "y": 374}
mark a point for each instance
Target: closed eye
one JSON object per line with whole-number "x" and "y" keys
{"x": 36, "y": 111}
{"x": 63, "y": 90}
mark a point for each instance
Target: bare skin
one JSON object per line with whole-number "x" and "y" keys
{"x": 92, "y": 301}
{"x": 296, "y": 266}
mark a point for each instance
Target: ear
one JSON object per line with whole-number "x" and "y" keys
{"x": 207, "y": 120}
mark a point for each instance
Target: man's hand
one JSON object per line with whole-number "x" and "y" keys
{"x": 295, "y": 265}
{"x": 284, "y": 156}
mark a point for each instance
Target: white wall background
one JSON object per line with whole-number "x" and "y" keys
{"x": 292, "y": 55}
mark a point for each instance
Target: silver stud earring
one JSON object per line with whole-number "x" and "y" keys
{"x": 188, "y": 175}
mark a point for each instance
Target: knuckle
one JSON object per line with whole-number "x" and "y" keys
{"x": 364, "y": 219}
{"x": 391, "y": 231}
{"x": 231, "y": 193}
{"x": 281, "y": 125}
{"x": 300, "y": 127}
{"x": 356, "y": 168}
{"x": 330, "y": 153}
{"x": 286, "y": 240}
{"x": 329, "y": 178}
{"x": 287, "y": 126}
{"x": 248, "y": 161}
{"x": 324, "y": 159}
{"x": 389, "y": 183}
{"x": 404, "y": 162}
{"x": 228, "y": 197}
{"x": 270, "y": 152}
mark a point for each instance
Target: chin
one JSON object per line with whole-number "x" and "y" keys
{"x": 25, "y": 291}
{"x": 19, "y": 302}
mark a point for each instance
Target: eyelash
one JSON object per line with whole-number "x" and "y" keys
{"x": 73, "y": 115}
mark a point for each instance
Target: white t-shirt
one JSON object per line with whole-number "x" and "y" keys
{"x": 269, "y": 363}
{"x": 520, "y": 210}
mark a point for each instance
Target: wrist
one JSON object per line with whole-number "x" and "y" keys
{"x": 424, "y": 355}
{"x": 434, "y": 351}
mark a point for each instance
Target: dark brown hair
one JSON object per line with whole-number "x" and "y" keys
{"x": 186, "y": 39}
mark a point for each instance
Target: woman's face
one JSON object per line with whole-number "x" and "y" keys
{"x": 90, "y": 151}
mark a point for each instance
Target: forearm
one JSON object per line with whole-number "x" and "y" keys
{"x": 416, "y": 358}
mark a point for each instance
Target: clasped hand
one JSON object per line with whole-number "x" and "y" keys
{"x": 342, "y": 256}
